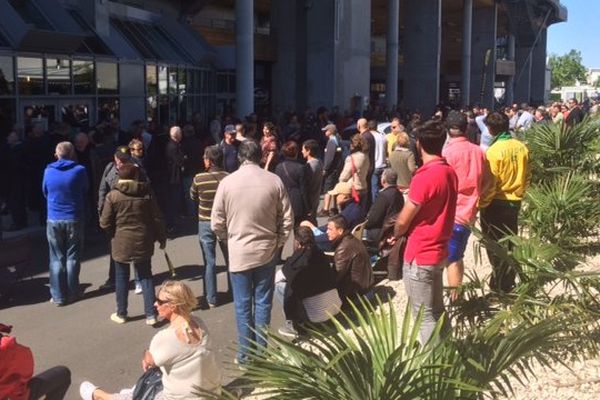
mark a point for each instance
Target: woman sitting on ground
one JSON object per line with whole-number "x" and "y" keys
{"x": 182, "y": 351}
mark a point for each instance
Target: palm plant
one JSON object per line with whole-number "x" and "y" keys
{"x": 372, "y": 357}
{"x": 559, "y": 148}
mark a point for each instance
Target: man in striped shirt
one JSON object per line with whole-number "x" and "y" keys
{"x": 203, "y": 191}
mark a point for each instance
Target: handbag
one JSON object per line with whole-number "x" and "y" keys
{"x": 149, "y": 385}
{"x": 355, "y": 194}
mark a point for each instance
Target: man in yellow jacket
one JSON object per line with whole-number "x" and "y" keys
{"x": 508, "y": 177}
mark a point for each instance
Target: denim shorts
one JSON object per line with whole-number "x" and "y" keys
{"x": 458, "y": 242}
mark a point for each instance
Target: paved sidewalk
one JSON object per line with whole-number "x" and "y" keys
{"x": 82, "y": 337}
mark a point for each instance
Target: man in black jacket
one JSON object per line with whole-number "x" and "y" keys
{"x": 175, "y": 162}
{"x": 306, "y": 284}
{"x": 388, "y": 202}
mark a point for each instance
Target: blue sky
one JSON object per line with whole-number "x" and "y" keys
{"x": 580, "y": 32}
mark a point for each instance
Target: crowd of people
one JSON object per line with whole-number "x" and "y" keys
{"x": 414, "y": 192}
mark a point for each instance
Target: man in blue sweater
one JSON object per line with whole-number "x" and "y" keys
{"x": 65, "y": 185}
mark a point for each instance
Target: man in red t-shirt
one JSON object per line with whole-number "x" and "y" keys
{"x": 427, "y": 218}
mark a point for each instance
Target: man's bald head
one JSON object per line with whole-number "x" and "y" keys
{"x": 175, "y": 133}
{"x": 362, "y": 125}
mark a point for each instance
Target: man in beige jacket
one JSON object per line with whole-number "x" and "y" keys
{"x": 252, "y": 212}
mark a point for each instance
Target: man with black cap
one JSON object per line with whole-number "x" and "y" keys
{"x": 468, "y": 162}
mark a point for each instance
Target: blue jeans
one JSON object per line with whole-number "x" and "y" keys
{"x": 376, "y": 183}
{"x": 122, "y": 273}
{"x": 253, "y": 300}
{"x": 208, "y": 241}
{"x": 424, "y": 287}
{"x": 64, "y": 245}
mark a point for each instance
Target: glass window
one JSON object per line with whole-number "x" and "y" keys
{"x": 163, "y": 109}
{"x": 83, "y": 76}
{"x": 197, "y": 80}
{"x": 108, "y": 108}
{"x": 58, "y": 73}
{"x": 151, "y": 80}
{"x": 173, "y": 102}
{"x": 172, "y": 80}
{"x": 107, "y": 78}
{"x": 7, "y": 76}
{"x": 162, "y": 79}
{"x": 76, "y": 115}
{"x": 182, "y": 82}
{"x": 152, "y": 108}
{"x": 30, "y": 75}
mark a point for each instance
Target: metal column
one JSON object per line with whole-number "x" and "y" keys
{"x": 465, "y": 88}
{"x": 510, "y": 82}
{"x": 244, "y": 57}
{"x": 391, "y": 56}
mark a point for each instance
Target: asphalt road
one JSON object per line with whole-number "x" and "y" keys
{"x": 82, "y": 337}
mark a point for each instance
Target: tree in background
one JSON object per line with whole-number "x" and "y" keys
{"x": 567, "y": 69}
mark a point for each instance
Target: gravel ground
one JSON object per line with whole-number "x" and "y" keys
{"x": 576, "y": 381}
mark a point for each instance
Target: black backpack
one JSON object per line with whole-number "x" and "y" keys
{"x": 149, "y": 385}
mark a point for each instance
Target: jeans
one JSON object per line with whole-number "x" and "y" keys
{"x": 253, "y": 300}
{"x": 499, "y": 220}
{"x": 424, "y": 287}
{"x": 122, "y": 273}
{"x": 376, "y": 183}
{"x": 52, "y": 383}
{"x": 64, "y": 245}
{"x": 208, "y": 241}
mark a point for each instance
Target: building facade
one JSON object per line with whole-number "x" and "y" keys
{"x": 84, "y": 61}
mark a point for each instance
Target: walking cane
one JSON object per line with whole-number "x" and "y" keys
{"x": 170, "y": 265}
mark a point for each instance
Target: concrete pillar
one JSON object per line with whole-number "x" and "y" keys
{"x": 391, "y": 54}
{"x": 465, "y": 87}
{"x": 523, "y": 75}
{"x": 244, "y": 57}
{"x": 423, "y": 29}
{"x": 510, "y": 82}
{"x": 483, "y": 62}
{"x": 338, "y": 52}
{"x": 97, "y": 13}
{"x": 538, "y": 70}
{"x": 284, "y": 71}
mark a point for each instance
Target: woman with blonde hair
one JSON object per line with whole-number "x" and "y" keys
{"x": 182, "y": 351}
{"x": 402, "y": 161}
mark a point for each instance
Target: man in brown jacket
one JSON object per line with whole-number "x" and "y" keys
{"x": 352, "y": 264}
{"x": 133, "y": 221}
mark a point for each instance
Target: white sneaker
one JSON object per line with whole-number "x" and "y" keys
{"x": 138, "y": 288}
{"x": 117, "y": 318}
{"x": 86, "y": 390}
{"x": 151, "y": 321}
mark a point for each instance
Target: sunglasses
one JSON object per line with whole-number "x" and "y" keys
{"x": 161, "y": 302}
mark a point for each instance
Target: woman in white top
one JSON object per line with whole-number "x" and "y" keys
{"x": 357, "y": 174}
{"x": 181, "y": 351}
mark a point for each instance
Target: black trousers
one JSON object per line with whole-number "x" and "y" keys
{"x": 498, "y": 220}
{"x": 51, "y": 384}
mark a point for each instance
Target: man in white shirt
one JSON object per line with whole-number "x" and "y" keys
{"x": 380, "y": 159}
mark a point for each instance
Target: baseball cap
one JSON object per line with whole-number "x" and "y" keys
{"x": 331, "y": 127}
{"x": 456, "y": 120}
{"x": 229, "y": 129}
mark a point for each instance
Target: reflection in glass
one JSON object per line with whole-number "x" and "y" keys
{"x": 76, "y": 115}
{"x": 151, "y": 108}
{"x": 107, "y": 78}
{"x": 7, "y": 76}
{"x": 38, "y": 114}
{"x": 172, "y": 80}
{"x": 163, "y": 110}
{"x": 83, "y": 76}
{"x": 173, "y": 100}
{"x": 162, "y": 79}
{"x": 182, "y": 82}
{"x": 108, "y": 108}
{"x": 30, "y": 75}
{"x": 58, "y": 73}
{"x": 151, "y": 80}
